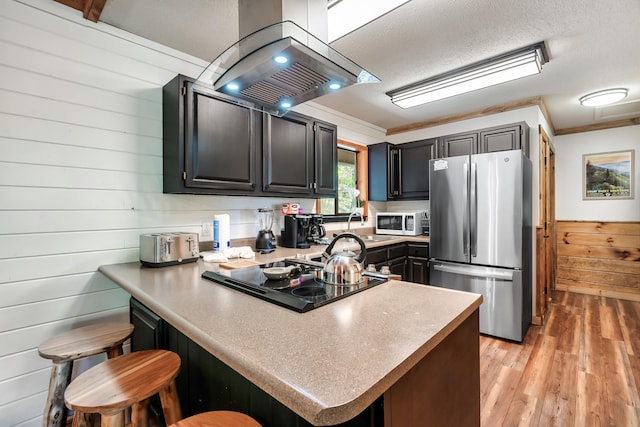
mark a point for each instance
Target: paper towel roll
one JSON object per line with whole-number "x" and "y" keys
{"x": 221, "y": 232}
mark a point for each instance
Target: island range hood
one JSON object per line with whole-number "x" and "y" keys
{"x": 282, "y": 64}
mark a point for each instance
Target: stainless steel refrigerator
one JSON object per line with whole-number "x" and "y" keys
{"x": 480, "y": 237}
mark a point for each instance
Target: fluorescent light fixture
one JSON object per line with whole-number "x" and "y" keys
{"x": 503, "y": 68}
{"x": 345, "y": 16}
{"x": 603, "y": 97}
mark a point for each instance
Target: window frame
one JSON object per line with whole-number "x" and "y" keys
{"x": 362, "y": 179}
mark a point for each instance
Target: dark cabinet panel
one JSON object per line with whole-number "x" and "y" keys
{"x": 459, "y": 144}
{"x": 209, "y": 144}
{"x": 300, "y": 156}
{"x": 379, "y": 174}
{"x": 417, "y": 270}
{"x": 514, "y": 136}
{"x": 510, "y": 137}
{"x": 414, "y": 168}
{"x": 400, "y": 172}
{"x": 326, "y": 159}
{"x": 149, "y": 329}
{"x": 398, "y": 266}
{"x": 221, "y": 144}
{"x": 287, "y": 154}
{"x": 393, "y": 256}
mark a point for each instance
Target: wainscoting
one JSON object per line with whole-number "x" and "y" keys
{"x": 599, "y": 258}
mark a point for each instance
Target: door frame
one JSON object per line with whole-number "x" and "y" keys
{"x": 545, "y": 232}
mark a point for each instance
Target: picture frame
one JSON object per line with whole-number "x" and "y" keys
{"x": 608, "y": 176}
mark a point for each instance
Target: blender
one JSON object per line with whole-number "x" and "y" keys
{"x": 266, "y": 241}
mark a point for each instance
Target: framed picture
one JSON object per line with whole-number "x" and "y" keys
{"x": 608, "y": 175}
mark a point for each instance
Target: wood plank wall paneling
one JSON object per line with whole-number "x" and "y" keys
{"x": 601, "y": 258}
{"x": 80, "y": 180}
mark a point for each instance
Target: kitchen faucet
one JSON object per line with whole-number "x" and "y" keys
{"x": 351, "y": 215}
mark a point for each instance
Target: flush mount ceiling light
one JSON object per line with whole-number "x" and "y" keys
{"x": 603, "y": 97}
{"x": 503, "y": 68}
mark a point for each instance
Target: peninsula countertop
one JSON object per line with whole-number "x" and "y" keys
{"x": 339, "y": 358}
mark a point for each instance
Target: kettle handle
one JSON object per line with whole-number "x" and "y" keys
{"x": 363, "y": 249}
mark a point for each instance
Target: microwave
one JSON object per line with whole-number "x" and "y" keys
{"x": 400, "y": 223}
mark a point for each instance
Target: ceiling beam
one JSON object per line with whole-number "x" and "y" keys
{"x": 91, "y": 9}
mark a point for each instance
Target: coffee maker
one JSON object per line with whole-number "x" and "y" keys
{"x": 265, "y": 241}
{"x": 316, "y": 229}
{"x": 296, "y": 230}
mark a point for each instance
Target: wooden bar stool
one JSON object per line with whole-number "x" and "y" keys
{"x": 126, "y": 381}
{"x": 218, "y": 419}
{"x": 75, "y": 344}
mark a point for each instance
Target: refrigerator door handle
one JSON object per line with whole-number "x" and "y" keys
{"x": 473, "y": 201}
{"x": 465, "y": 212}
{"x": 399, "y": 172}
{"x": 466, "y": 271}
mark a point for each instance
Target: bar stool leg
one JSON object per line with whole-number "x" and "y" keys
{"x": 170, "y": 403}
{"x": 140, "y": 413}
{"x": 115, "y": 419}
{"x": 55, "y": 411}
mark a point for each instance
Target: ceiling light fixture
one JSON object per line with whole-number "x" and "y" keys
{"x": 503, "y": 68}
{"x": 603, "y": 97}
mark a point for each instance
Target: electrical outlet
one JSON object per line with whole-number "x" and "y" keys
{"x": 207, "y": 231}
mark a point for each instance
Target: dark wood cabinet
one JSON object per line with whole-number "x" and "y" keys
{"x": 414, "y": 168}
{"x": 514, "y": 136}
{"x": 287, "y": 161}
{"x": 503, "y": 138}
{"x": 326, "y": 159}
{"x": 149, "y": 329}
{"x": 392, "y": 256}
{"x": 210, "y": 145}
{"x": 461, "y": 144}
{"x": 379, "y": 155}
{"x": 409, "y": 260}
{"x": 300, "y": 156}
{"x": 400, "y": 172}
{"x": 418, "y": 262}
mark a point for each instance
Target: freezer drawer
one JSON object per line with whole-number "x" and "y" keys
{"x": 501, "y": 311}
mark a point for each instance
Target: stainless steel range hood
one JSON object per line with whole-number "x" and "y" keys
{"x": 281, "y": 65}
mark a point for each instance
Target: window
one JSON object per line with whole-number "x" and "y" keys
{"x": 347, "y": 173}
{"x": 352, "y": 175}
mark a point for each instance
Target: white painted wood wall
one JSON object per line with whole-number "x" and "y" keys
{"x": 81, "y": 179}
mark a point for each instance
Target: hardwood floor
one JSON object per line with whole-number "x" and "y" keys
{"x": 582, "y": 368}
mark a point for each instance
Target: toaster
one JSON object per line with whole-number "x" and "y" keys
{"x": 162, "y": 249}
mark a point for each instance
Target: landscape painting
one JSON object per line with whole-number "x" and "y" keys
{"x": 608, "y": 175}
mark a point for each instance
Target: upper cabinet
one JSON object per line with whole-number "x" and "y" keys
{"x": 213, "y": 146}
{"x": 299, "y": 156}
{"x": 326, "y": 159}
{"x": 400, "y": 172}
{"x": 509, "y": 137}
{"x": 209, "y": 144}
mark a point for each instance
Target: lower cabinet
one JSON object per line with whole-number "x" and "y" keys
{"x": 207, "y": 384}
{"x": 418, "y": 262}
{"x": 409, "y": 260}
{"x": 392, "y": 256}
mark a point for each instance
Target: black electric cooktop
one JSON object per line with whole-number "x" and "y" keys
{"x": 302, "y": 292}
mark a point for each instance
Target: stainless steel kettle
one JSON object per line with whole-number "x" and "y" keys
{"x": 344, "y": 268}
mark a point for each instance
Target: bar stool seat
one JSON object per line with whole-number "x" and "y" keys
{"x": 127, "y": 381}
{"x": 218, "y": 419}
{"x": 65, "y": 348}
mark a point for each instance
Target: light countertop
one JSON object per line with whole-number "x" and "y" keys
{"x": 328, "y": 364}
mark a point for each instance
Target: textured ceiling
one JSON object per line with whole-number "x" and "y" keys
{"x": 592, "y": 45}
